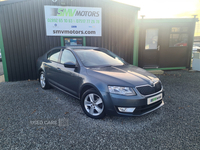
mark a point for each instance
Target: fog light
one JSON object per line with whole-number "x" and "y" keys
{"x": 123, "y": 109}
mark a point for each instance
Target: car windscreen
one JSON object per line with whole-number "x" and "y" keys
{"x": 99, "y": 58}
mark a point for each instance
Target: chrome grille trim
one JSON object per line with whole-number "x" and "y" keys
{"x": 150, "y": 86}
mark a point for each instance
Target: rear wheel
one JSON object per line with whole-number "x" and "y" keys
{"x": 92, "y": 104}
{"x": 43, "y": 82}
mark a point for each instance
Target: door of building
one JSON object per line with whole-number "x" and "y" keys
{"x": 151, "y": 47}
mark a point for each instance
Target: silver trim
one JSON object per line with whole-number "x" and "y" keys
{"x": 150, "y": 86}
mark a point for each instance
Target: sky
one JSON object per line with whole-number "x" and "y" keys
{"x": 167, "y": 9}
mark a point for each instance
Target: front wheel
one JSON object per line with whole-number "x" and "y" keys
{"x": 43, "y": 82}
{"x": 92, "y": 104}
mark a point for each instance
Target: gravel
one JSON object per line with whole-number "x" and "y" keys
{"x": 174, "y": 126}
{"x": 1, "y": 68}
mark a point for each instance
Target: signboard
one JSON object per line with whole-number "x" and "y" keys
{"x": 73, "y": 21}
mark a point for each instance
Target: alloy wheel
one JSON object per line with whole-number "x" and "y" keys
{"x": 42, "y": 80}
{"x": 93, "y": 104}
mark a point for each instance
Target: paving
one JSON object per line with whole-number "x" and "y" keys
{"x": 32, "y": 118}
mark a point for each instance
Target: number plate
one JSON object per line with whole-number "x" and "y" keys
{"x": 154, "y": 99}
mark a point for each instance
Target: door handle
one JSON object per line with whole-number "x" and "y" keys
{"x": 158, "y": 47}
{"x": 58, "y": 69}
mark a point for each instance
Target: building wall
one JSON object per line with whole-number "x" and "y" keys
{"x": 24, "y": 33}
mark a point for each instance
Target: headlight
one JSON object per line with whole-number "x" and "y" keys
{"x": 121, "y": 90}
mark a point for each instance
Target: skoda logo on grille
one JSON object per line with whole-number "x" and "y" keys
{"x": 152, "y": 83}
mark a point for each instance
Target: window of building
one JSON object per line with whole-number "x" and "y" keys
{"x": 73, "y": 41}
{"x": 178, "y": 40}
{"x": 179, "y": 29}
{"x": 178, "y": 37}
{"x": 67, "y": 56}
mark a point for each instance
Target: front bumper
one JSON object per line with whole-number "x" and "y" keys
{"x": 113, "y": 101}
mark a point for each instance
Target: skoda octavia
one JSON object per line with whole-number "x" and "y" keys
{"x": 104, "y": 82}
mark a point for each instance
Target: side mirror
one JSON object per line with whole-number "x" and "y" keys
{"x": 70, "y": 65}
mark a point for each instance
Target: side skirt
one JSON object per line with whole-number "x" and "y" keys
{"x": 64, "y": 91}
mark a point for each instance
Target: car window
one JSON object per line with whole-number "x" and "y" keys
{"x": 53, "y": 55}
{"x": 67, "y": 56}
{"x": 96, "y": 58}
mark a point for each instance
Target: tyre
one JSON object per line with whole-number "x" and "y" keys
{"x": 92, "y": 104}
{"x": 43, "y": 82}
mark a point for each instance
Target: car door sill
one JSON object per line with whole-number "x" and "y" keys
{"x": 64, "y": 91}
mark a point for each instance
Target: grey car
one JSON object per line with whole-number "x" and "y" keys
{"x": 102, "y": 81}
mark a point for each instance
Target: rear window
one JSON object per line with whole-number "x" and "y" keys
{"x": 53, "y": 55}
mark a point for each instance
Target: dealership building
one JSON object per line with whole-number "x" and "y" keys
{"x": 29, "y": 28}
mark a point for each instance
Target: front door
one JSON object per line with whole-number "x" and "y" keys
{"x": 69, "y": 78}
{"x": 150, "y": 48}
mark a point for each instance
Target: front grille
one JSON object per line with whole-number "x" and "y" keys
{"x": 147, "y": 90}
{"x": 142, "y": 109}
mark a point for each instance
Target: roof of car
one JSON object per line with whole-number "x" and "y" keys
{"x": 81, "y": 47}
{"x": 75, "y": 48}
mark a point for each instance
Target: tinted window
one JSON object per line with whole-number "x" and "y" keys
{"x": 95, "y": 58}
{"x": 53, "y": 55}
{"x": 67, "y": 56}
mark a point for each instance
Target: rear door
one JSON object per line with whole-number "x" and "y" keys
{"x": 52, "y": 66}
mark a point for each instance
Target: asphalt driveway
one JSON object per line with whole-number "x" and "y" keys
{"x": 1, "y": 68}
{"x": 32, "y": 118}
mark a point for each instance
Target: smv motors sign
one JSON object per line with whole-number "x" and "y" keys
{"x": 73, "y": 21}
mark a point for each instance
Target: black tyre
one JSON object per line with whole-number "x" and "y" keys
{"x": 92, "y": 104}
{"x": 43, "y": 82}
